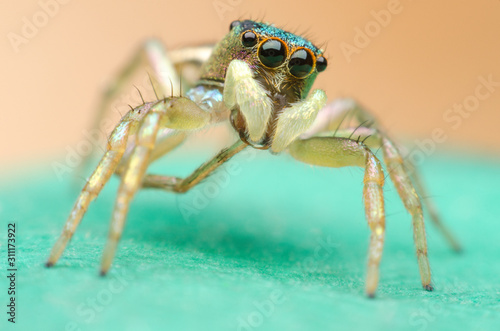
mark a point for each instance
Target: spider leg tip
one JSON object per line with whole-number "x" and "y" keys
{"x": 371, "y": 295}
{"x": 429, "y": 287}
{"x": 49, "y": 264}
{"x": 102, "y": 273}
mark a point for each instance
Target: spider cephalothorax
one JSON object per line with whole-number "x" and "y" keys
{"x": 284, "y": 64}
{"x": 258, "y": 78}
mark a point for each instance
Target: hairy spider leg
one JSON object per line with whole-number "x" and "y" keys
{"x": 405, "y": 188}
{"x": 167, "y": 140}
{"x": 178, "y": 113}
{"x": 330, "y": 121}
{"x": 117, "y": 143}
{"x": 408, "y": 194}
{"x": 181, "y": 185}
{"x": 341, "y": 152}
{"x": 402, "y": 172}
{"x": 175, "y": 113}
{"x": 164, "y": 76}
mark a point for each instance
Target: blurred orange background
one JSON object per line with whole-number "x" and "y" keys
{"x": 410, "y": 64}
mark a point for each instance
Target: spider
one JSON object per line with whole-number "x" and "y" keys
{"x": 258, "y": 77}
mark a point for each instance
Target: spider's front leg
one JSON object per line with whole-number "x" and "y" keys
{"x": 117, "y": 144}
{"x": 153, "y": 56}
{"x": 340, "y": 152}
{"x": 402, "y": 171}
{"x": 164, "y": 74}
{"x": 176, "y": 113}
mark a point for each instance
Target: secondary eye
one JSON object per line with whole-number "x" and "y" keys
{"x": 249, "y": 39}
{"x": 301, "y": 63}
{"x": 234, "y": 24}
{"x": 321, "y": 63}
{"x": 272, "y": 53}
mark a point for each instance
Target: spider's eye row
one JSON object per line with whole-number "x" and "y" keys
{"x": 321, "y": 64}
{"x": 272, "y": 53}
{"x": 301, "y": 63}
{"x": 249, "y": 39}
{"x": 234, "y": 24}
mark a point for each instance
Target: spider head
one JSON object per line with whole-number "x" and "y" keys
{"x": 284, "y": 64}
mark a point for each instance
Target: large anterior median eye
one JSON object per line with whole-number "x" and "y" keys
{"x": 272, "y": 53}
{"x": 301, "y": 63}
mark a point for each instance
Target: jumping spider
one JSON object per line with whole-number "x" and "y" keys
{"x": 258, "y": 77}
